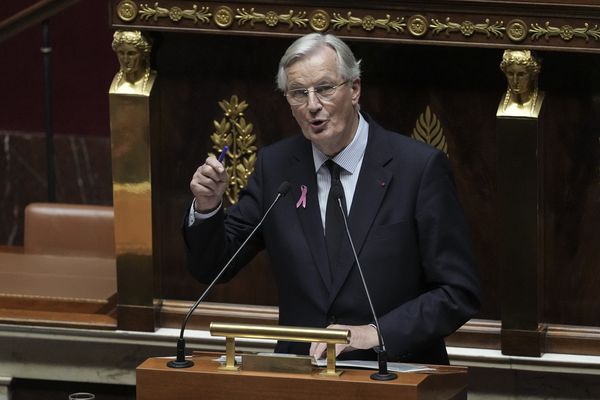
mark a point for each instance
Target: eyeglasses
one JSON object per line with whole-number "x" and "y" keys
{"x": 299, "y": 97}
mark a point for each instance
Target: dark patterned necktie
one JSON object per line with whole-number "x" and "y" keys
{"x": 334, "y": 222}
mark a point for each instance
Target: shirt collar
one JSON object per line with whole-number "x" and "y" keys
{"x": 351, "y": 155}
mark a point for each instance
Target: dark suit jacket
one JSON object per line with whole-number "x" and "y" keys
{"x": 409, "y": 232}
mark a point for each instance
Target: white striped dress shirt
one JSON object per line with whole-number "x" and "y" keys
{"x": 350, "y": 159}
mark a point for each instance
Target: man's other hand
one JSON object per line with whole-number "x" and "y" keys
{"x": 361, "y": 337}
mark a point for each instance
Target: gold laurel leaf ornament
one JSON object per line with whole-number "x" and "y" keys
{"x": 237, "y": 134}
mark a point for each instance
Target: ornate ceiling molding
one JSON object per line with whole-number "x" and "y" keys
{"x": 566, "y": 26}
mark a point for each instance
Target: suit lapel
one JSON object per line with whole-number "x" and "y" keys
{"x": 303, "y": 173}
{"x": 371, "y": 187}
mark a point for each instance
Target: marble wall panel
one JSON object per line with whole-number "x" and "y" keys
{"x": 83, "y": 175}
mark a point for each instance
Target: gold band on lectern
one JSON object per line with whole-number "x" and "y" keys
{"x": 290, "y": 333}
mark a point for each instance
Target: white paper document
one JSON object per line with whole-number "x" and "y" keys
{"x": 322, "y": 362}
{"x": 364, "y": 364}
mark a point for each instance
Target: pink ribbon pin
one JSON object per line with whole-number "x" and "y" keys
{"x": 302, "y": 199}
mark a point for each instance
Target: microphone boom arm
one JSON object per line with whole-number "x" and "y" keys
{"x": 193, "y": 308}
{"x": 180, "y": 361}
{"x": 383, "y": 374}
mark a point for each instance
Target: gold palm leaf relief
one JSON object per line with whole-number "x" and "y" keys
{"x": 428, "y": 129}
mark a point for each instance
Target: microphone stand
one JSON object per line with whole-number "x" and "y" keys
{"x": 383, "y": 374}
{"x": 180, "y": 361}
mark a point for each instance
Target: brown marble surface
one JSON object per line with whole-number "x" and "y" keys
{"x": 83, "y": 175}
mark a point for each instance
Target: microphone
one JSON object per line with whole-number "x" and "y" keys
{"x": 383, "y": 374}
{"x": 180, "y": 361}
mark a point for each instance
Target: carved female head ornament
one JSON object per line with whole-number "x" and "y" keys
{"x": 133, "y": 51}
{"x": 521, "y": 68}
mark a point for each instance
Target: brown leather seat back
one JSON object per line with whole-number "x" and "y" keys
{"x": 69, "y": 229}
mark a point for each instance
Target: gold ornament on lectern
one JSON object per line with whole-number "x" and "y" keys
{"x": 522, "y": 98}
{"x": 133, "y": 51}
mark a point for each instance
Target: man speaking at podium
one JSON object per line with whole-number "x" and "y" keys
{"x": 402, "y": 209}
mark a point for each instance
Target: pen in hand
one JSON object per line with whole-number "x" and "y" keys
{"x": 223, "y": 153}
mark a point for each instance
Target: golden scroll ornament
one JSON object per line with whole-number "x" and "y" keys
{"x": 429, "y": 130}
{"x": 468, "y": 28}
{"x": 233, "y": 131}
{"x": 271, "y": 18}
{"x": 566, "y": 32}
{"x": 368, "y": 23}
{"x": 175, "y": 14}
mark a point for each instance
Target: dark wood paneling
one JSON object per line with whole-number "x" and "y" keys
{"x": 572, "y": 189}
{"x": 398, "y": 84}
{"x": 196, "y": 72}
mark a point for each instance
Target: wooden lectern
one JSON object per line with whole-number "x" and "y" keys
{"x": 204, "y": 380}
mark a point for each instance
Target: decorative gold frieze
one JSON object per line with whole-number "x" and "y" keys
{"x": 319, "y": 20}
{"x": 468, "y": 28}
{"x": 127, "y": 10}
{"x": 271, "y": 18}
{"x": 233, "y": 131}
{"x": 516, "y": 30}
{"x": 566, "y": 32}
{"x": 418, "y": 25}
{"x": 175, "y": 14}
{"x": 429, "y": 130}
{"x": 368, "y": 23}
{"x": 223, "y": 17}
